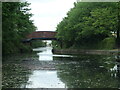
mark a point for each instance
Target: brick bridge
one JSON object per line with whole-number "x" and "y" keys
{"x": 41, "y": 35}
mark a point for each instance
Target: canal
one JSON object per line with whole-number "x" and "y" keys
{"x": 43, "y": 69}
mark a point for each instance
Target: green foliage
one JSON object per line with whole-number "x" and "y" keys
{"x": 16, "y": 24}
{"x": 107, "y": 43}
{"x": 56, "y": 44}
{"x": 38, "y": 43}
{"x": 88, "y": 23}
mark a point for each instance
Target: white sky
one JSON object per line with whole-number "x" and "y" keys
{"x": 48, "y": 13}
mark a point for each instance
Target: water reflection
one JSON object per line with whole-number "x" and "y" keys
{"x": 83, "y": 71}
{"x": 115, "y": 71}
{"x": 61, "y": 71}
{"x": 45, "y": 54}
{"x": 89, "y": 72}
{"x": 14, "y": 76}
{"x": 43, "y": 79}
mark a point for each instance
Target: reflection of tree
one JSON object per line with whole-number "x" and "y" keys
{"x": 89, "y": 71}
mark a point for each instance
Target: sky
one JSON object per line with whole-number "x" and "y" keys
{"x": 48, "y": 13}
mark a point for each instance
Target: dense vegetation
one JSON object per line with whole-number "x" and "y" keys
{"x": 0, "y": 27}
{"x": 38, "y": 43}
{"x": 90, "y": 26}
{"x": 16, "y": 24}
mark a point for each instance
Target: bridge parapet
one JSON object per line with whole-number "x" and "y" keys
{"x": 41, "y": 35}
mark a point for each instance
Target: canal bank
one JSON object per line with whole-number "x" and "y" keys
{"x": 78, "y": 51}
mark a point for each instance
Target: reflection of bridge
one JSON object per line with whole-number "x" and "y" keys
{"x": 41, "y": 35}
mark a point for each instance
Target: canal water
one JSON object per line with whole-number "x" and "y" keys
{"x": 43, "y": 69}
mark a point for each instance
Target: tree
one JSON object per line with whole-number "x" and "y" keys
{"x": 85, "y": 24}
{"x": 16, "y": 24}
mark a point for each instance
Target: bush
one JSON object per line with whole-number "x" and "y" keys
{"x": 107, "y": 43}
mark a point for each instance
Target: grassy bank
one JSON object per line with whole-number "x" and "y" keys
{"x": 105, "y": 46}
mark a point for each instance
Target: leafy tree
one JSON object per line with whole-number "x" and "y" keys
{"x": 16, "y": 24}
{"x": 88, "y": 23}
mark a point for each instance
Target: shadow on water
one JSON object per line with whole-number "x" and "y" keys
{"x": 47, "y": 70}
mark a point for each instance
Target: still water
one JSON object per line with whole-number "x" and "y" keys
{"x": 43, "y": 69}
